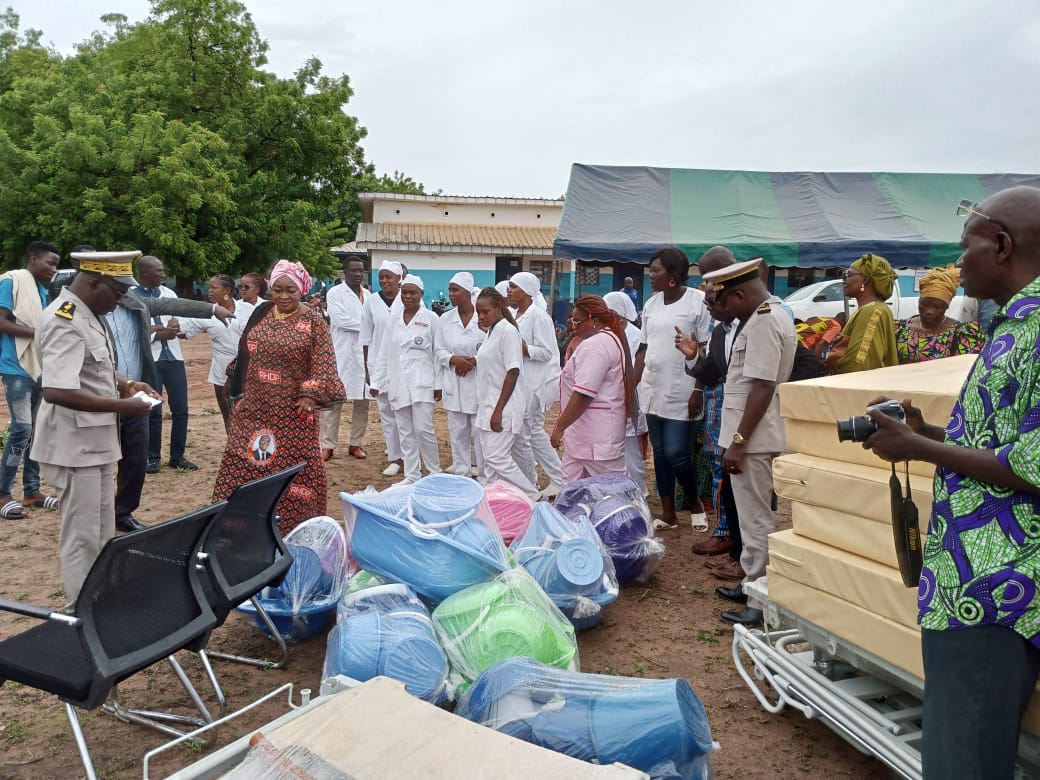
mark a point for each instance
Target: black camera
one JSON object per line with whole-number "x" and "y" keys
{"x": 859, "y": 428}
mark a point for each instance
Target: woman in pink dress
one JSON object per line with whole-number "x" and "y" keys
{"x": 596, "y": 393}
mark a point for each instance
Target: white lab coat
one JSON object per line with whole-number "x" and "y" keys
{"x": 541, "y": 374}
{"x": 501, "y": 351}
{"x": 345, "y": 309}
{"x": 375, "y": 316}
{"x": 223, "y": 340}
{"x": 406, "y": 364}
{"x": 665, "y": 388}
{"x": 458, "y": 393}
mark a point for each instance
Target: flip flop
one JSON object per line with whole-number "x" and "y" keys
{"x": 661, "y": 525}
{"x": 12, "y": 510}
{"x": 40, "y": 501}
{"x": 699, "y": 521}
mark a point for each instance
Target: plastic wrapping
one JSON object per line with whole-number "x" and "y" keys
{"x": 364, "y": 580}
{"x": 621, "y": 517}
{"x": 657, "y": 726}
{"x": 437, "y": 536}
{"x": 508, "y": 616}
{"x": 511, "y": 508}
{"x": 305, "y": 601}
{"x": 567, "y": 558}
{"x": 386, "y": 630}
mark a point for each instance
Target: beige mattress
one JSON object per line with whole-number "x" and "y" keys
{"x": 898, "y": 644}
{"x": 858, "y": 535}
{"x": 811, "y": 407}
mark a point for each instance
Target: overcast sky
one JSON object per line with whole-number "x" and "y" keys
{"x": 500, "y": 98}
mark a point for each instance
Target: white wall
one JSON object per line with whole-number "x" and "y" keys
{"x": 546, "y": 215}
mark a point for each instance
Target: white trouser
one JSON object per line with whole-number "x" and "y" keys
{"x": 753, "y": 495}
{"x": 390, "y": 433}
{"x": 499, "y": 463}
{"x": 462, "y": 429}
{"x": 635, "y": 463}
{"x": 415, "y": 427}
{"x": 533, "y": 444}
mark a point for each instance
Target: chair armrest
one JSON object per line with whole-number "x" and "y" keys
{"x": 22, "y": 608}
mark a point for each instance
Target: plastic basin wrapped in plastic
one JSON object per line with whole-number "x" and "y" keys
{"x": 658, "y": 726}
{"x": 292, "y": 624}
{"x": 436, "y": 559}
{"x": 511, "y": 508}
{"x": 506, "y": 617}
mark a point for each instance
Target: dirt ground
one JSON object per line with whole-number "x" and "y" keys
{"x": 667, "y": 629}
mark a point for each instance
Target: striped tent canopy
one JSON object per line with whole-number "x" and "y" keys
{"x": 811, "y": 220}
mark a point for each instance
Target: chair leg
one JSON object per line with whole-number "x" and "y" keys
{"x": 217, "y": 688}
{"x": 81, "y": 743}
{"x": 158, "y": 720}
{"x": 261, "y": 662}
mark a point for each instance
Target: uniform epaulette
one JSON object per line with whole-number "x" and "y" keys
{"x": 66, "y": 310}
{"x": 763, "y": 309}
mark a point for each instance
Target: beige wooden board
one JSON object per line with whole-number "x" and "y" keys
{"x": 378, "y": 730}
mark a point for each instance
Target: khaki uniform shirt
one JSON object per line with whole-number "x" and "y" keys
{"x": 764, "y": 349}
{"x": 77, "y": 353}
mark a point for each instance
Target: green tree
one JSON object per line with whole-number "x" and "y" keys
{"x": 168, "y": 135}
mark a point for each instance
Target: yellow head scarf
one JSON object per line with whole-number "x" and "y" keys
{"x": 941, "y": 283}
{"x": 879, "y": 272}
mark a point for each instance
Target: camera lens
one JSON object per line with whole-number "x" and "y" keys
{"x": 856, "y": 428}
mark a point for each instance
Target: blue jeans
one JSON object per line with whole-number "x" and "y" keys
{"x": 169, "y": 374}
{"x": 978, "y": 684}
{"x": 671, "y": 440}
{"x": 23, "y": 396}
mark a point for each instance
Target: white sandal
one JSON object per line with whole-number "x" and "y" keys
{"x": 699, "y": 521}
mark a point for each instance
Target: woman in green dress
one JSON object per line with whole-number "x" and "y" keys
{"x": 868, "y": 339}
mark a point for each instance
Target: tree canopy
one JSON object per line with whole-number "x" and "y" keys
{"x": 169, "y": 136}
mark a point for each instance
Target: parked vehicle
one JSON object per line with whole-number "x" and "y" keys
{"x": 826, "y": 299}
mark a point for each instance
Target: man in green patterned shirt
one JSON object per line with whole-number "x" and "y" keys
{"x": 979, "y": 606}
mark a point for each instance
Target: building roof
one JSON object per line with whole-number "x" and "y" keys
{"x": 369, "y": 197}
{"x": 455, "y": 237}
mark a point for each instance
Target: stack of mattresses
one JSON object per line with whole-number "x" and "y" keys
{"x": 837, "y": 566}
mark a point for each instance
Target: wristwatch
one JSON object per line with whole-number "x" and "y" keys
{"x": 738, "y": 439}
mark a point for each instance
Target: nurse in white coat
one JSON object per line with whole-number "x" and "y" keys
{"x": 541, "y": 380}
{"x": 460, "y": 336}
{"x": 344, "y": 305}
{"x": 500, "y": 405}
{"x": 375, "y": 315}
{"x": 635, "y": 435}
{"x": 407, "y": 368}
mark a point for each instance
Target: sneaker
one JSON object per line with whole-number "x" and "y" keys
{"x": 392, "y": 470}
{"x": 405, "y": 481}
{"x": 551, "y": 491}
{"x": 152, "y": 467}
{"x": 183, "y": 464}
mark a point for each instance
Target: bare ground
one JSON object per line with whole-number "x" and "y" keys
{"x": 667, "y": 629}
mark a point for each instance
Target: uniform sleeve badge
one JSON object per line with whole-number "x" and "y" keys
{"x": 763, "y": 309}
{"x": 66, "y": 310}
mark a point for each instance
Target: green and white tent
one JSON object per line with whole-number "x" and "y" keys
{"x": 810, "y": 220}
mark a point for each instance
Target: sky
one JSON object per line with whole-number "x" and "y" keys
{"x": 501, "y": 98}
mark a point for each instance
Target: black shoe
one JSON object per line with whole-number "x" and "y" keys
{"x": 152, "y": 467}
{"x": 731, "y": 594}
{"x": 129, "y": 524}
{"x": 183, "y": 464}
{"x": 749, "y": 616}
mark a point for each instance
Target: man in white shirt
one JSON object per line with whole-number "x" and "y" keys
{"x": 344, "y": 305}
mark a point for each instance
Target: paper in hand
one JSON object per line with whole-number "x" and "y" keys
{"x": 147, "y": 398}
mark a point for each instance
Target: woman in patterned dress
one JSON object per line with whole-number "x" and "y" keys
{"x": 285, "y": 369}
{"x": 931, "y": 334}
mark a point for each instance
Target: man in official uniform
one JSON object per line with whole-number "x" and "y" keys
{"x": 82, "y": 398}
{"x": 752, "y": 430}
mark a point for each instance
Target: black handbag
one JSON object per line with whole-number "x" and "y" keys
{"x": 906, "y": 529}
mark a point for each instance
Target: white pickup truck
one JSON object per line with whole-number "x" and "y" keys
{"x": 825, "y": 299}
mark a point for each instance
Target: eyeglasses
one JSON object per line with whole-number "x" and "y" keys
{"x": 246, "y": 286}
{"x": 575, "y": 323}
{"x": 849, "y": 272}
{"x": 966, "y": 207}
{"x": 119, "y": 289}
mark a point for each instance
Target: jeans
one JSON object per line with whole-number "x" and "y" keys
{"x": 978, "y": 684}
{"x": 671, "y": 440}
{"x": 169, "y": 374}
{"x": 23, "y": 397}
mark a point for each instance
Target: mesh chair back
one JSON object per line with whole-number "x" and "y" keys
{"x": 245, "y": 550}
{"x": 143, "y": 600}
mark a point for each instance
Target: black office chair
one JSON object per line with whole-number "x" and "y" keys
{"x": 142, "y": 600}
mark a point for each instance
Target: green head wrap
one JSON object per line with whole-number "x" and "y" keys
{"x": 879, "y": 272}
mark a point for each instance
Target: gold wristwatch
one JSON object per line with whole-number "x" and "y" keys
{"x": 738, "y": 439}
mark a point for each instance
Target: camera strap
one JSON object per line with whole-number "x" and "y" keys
{"x": 906, "y": 529}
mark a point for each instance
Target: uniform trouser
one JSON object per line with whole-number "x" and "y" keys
{"x": 753, "y": 494}
{"x": 577, "y": 468}
{"x": 169, "y": 374}
{"x": 133, "y": 441}
{"x": 635, "y": 462}
{"x": 358, "y": 423}
{"x": 462, "y": 429}
{"x": 390, "y": 432}
{"x": 499, "y": 463}
{"x": 533, "y": 445}
{"x": 87, "y": 519}
{"x": 415, "y": 426}
{"x": 23, "y": 398}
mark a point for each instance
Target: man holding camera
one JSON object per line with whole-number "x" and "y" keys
{"x": 979, "y": 608}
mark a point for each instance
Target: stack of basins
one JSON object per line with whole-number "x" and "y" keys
{"x": 837, "y": 566}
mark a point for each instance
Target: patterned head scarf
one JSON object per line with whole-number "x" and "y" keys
{"x": 879, "y": 272}
{"x": 621, "y": 304}
{"x": 294, "y": 272}
{"x": 941, "y": 283}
